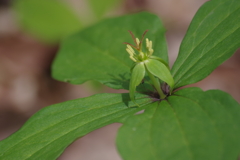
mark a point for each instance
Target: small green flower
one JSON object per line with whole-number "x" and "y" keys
{"x": 156, "y": 68}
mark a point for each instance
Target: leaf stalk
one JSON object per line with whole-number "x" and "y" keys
{"x": 156, "y": 85}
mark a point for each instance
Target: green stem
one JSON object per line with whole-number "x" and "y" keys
{"x": 157, "y": 85}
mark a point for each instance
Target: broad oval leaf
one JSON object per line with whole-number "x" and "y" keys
{"x": 138, "y": 74}
{"x": 98, "y": 53}
{"x": 212, "y": 38}
{"x": 52, "y": 129}
{"x": 190, "y": 125}
{"x": 48, "y": 20}
{"x": 160, "y": 70}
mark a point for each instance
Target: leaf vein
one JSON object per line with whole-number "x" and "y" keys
{"x": 210, "y": 118}
{"x": 61, "y": 122}
{"x": 199, "y": 59}
{"x": 207, "y": 35}
{"x": 182, "y": 131}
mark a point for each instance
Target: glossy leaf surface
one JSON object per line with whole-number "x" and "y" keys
{"x": 52, "y": 129}
{"x": 212, "y": 38}
{"x": 98, "y": 53}
{"x": 137, "y": 75}
{"x": 48, "y": 20}
{"x": 190, "y": 125}
{"x": 160, "y": 70}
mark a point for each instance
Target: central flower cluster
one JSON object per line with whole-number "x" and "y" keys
{"x": 144, "y": 62}
{"x": 141, "y": 56}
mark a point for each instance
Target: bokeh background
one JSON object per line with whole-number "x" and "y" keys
{"x": 27, "y": 49}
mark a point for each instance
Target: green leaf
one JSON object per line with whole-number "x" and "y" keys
{"x": 161, "y": 60}
{"x": 52, "y": 129}
{"x": 101, "y": 7}
{"x": 212, "y": 38}
{"x": 190, "y": 125}
{"x": 98, "y": 53}
{"x": 49, "y": 20}
{"x": 138, "y": 74}
{"x": 224, "y": 112}
{"x": 160, "y": 70}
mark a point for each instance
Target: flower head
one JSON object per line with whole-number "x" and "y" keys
{"x": 155, "y": 67}
{"x": 141, "y": 56}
